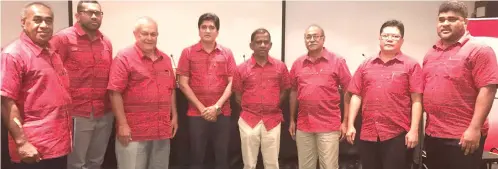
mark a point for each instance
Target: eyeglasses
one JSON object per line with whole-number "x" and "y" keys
{"x": 91, "y": 13}
{"x": 316, "y": 37}
{"x": 392, "y": 36}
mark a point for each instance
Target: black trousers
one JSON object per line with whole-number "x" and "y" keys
{"x": 54, "y": 163}
{"x": 389, "y": 154}
{"x": 447, "y": 154}
{"x": 218, "y": 133}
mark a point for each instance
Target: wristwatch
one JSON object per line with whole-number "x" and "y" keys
{"x": 217, "y": 108}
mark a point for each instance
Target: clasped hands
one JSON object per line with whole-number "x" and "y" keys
{"x": 210, "y": 113}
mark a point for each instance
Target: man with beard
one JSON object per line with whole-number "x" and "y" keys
{"x": 205, "y": 76}
{"x": 315, "y": 79}
{"x": 34, "y": 94}
{"x": 389, "y": 85}
{"x": 461, "y": 74}
{"x": 260, "y": 86}
{"x": 142, "y": 91}
{"x": 87, "y": 56}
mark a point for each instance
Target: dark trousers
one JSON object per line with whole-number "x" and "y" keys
{"x": 54, "y": 163}
{"x": 389, "y": 154}
{"x": 447, "y": 154}
{"x": 202, "y": 131}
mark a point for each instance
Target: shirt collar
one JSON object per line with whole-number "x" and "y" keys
{"x": 81, "y": 32}
{"x": 37, "y": 50}
{"x": 400, "y": 57}
{"x": 253, "y": 63}
{"x": 461, "y": 41}
{"x": 198, "y": 47}
{"x": 141, "y": 55}
{"x": 325, "y": 55}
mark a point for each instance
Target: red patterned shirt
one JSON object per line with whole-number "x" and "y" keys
{"x": 88, "y": 63}
{"x": 146, "y": 87}
{"x": 36, "y": 80}
{"x": 317, "y": 84}
{"x": 260, "y": 87}
{"x": 453, "y": 76}
{"x": 386, "y": 90}
{"x": 208, "y": 75}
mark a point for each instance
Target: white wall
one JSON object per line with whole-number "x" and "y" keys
{"x": 352, "y": 28}
{"x": 11, "y": 18}
{"x": 177, "y": 23}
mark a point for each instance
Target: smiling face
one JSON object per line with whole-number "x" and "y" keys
{"x": 314, "y": 38}
{"x": 391, "y": 39}
{"x": 38, "y": 23}
{"x": 451, "y": 26}
{"x": 146, "y": 35}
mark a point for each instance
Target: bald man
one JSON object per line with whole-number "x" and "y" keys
{"x": 142, "y": 91}
{"x": 316, "y": 80}
{"x": 34, "y": 94}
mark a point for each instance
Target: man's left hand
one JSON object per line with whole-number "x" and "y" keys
{"x": 470, "y": 140}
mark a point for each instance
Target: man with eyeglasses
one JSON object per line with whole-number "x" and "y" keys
{"x": 35, "y": 99}
{"x": 87, "y": 55}
{"x": 389, "y": 88}
{"x": 316, "y": 79}
{"x": 461, "y": 74}
{"x": 205, "y": 72}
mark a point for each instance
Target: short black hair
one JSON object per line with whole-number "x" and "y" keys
{"x": 209, "y": 17}
{"x": 29, "y": 5}
{"x": 454, "y": 6}
{"x": 260, "y": 31}
{"x": 80, "y": 4}
{"x": 394, "y": 23}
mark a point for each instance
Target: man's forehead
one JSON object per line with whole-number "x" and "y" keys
{"x": 313, "y": 30}
{"x": 91, "y": 6}
{"x": 39, "y": 10}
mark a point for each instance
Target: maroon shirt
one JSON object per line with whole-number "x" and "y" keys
{"x": 260, "y": 87}
{"x": 146, "y": 87}
{"x": 317, "y": 84}
{"x": 208, "y": 75}
{"x": 453, "y": 77}
{"x": 88, "y": 63}
{"x": 36, "y": 80}
{"x": 386, "y": 90}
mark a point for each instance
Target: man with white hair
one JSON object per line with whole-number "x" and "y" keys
{"x": 142, "y": 93}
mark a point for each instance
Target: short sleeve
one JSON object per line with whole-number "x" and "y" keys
{"x": 11, "y": 76}
{"x": 485, "y": 70}
{"x": 356, "y": 84}
{"x": 237, "y": 83}
{"x": 416, "y": 79}
{"x": 285, "y": 80}
{"x": 118, "y": 76}
{"x": 293, "y": 75}
{"x": 344, "y": 74}
{"x": 183, "y": 68}
{"x": 231, "y": 66}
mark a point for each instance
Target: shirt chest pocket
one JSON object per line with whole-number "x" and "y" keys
{"x": 326, "y": 77}
{"x": 456, "y": 68}
{"x": 399, "y": 81}
{"x": 165, "y": 78}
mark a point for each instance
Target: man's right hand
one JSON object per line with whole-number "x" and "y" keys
{"x": 351, "y": 134}
{"x": 292, "y": 129}
{"x": 124, "y": 134}
{"x": 28, "y": 153}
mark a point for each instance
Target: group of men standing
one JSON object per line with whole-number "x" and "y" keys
{"x": 51, "y": 83}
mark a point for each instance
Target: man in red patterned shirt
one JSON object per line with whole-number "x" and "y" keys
{"x": 316, "y": 78}
{"x": 205, "y": 74}
{"x": 142, "y": 91}
{"x": 34, "y": 94}
{"x": 87, "y": 55}
{"x": 260, "y": 85}
{"x": 461, "y": 74}
{"x": 389, "y": 88}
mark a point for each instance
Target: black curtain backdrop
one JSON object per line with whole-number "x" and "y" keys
{"x": 179, "y": 158}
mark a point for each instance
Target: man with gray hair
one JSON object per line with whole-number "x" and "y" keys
{"x": 34, "y": 93}
{"x": 87, "y": 55}
{"x": 142, "y": 91}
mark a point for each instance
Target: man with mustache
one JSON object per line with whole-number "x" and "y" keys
{"x": 87, "y": 55}
{"x": 142, "y": 91}
{"x": 461, "y": 74}
{"x": 260, "y": 86}
{"x": 205, "y": 74}
{"x": 316, "y": 79}
{"x": 389, "y": 88}
{"x": 35, "y": 99}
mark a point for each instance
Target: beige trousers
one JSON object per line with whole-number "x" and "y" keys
{"x": 253, "y": 138}
{"x": 152, "y": 154}
{"x": 318, "y": 146}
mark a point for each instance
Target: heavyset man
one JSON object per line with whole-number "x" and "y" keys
{"x": 461, "y": 75}
{"x": 260, "y": 86}
{"x": 87, "y": 56}
{"x": 142, "y": 85}
{"x": 35, "y": 97}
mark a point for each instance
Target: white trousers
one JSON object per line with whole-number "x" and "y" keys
{"x": 152, "y": 154}
{"x": 324, "y": 146}
{"x": 254, "y": 138}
